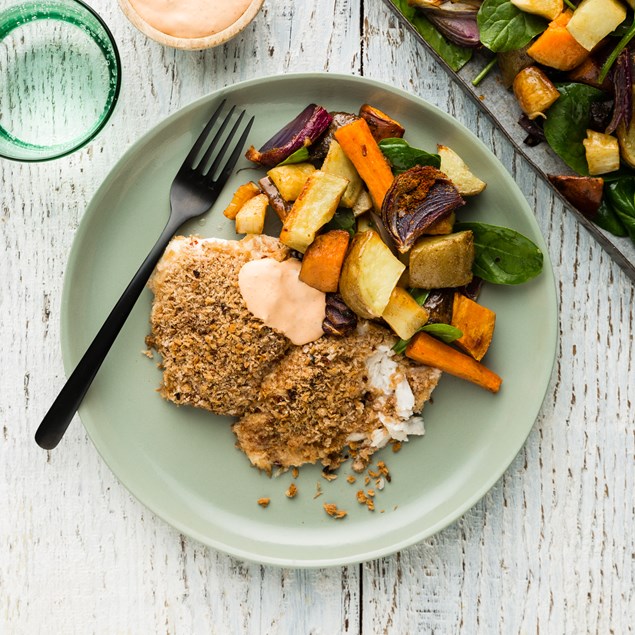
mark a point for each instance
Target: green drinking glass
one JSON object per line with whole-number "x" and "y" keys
{"x": 60, "y": 76}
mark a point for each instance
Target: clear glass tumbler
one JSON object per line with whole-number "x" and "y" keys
{"x": 60, "y": 75}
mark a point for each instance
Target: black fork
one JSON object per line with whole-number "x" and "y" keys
{"x": 194, "y": 190}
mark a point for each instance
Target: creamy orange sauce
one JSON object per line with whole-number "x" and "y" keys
{"x": 273, "y": 292}
{"x": 190, "y": 18}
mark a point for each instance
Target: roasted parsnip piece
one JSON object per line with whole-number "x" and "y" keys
{"x": 315, "y": 207}
{"x": 338, "y": 163}
{"x": 251, "y": 217}
{"x": 240, "y": 197}
{"x": 593, "y": 20}
{"x": 549, "y": 9}
{"x": 457, "y": 171}
{"x": 403, "y": 314}
{"x": 602, "y": 152}
{"x": 290, "y": 179}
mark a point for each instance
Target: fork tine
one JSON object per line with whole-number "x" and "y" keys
{"x": 196, "y": 148}
{"x": 231, "y": 162}
{"x": 200, "y": 168}
{"x": 221, "y": 153}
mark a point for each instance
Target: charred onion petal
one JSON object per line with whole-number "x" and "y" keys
{"x": 533, "y": 129}
{"x": 462, "y": 31}
{"x": 278, "y": 204}
{"x": 338, "y": 318}
{"x": 320, "y": 148}
{"x": 600, "y": 114}
{"x": 417, "y": 198}
{"x": 302, "y": 131}
{"x": 472, "y": 289}
{"x": 439, "y": 305}
{"x": 623, "y": 86}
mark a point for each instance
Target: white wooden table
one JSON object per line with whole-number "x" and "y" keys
{"x": 550, "y": 549}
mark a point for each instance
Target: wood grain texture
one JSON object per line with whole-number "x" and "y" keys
{"x": 550, "y": 549}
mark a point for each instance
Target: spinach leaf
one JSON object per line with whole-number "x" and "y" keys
{"x": 503, "y": 256}
{"x": 621, "y": 195}
{"x": 403, "y": 156}
{"x": 607, "y": 219}
{"x": 455, "y": 56}
{"x": 343, "y": 219}
{"x": 445, "y": 332}
{"x": 504, "y": 27}
{"x": 568, "y": 120}
{"x": 420, "y": 295}
{"x": 299, "y": 156}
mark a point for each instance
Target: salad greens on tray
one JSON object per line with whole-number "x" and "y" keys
{"x": 569, "y": 64}
{"x": 373, "y": 220}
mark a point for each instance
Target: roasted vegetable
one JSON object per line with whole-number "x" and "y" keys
{"x": 314, "y": 208}
{"x": 556, "y": 47}
{"x": 602, "y": 152}
{"x": 338, "y": 318}
{"x": 302, "y": 131}
{"x": 404, "y": 315}
{"x": 276, "y": 202}
{"x": 549, "y": 9}
{"x": 417, "y": 198}
{"x": 588, "y": 72}
{"x": 534, "y": 91}
{"x": 457, "y": 171}
{"x": 240, "y": 197}
{"x": 290, "y": 179}
{"x": 323, "y": 259}
{"x": 476, "y": 324}
{"x": 369, "y": 275}
{"x": 339, "y": 164}
{"x": 361, "y": 148}
{"x": 593, "y": 20}
{"x": 320, "y": 148}
{"x": 425, "y": 349}
{"x": 438, "y": 304}
{"x": 442, "y": 226}
{"x": 583, "y": 192}
{"x": 437, "y": 262}
{"x": 251, "y": 217}
{"x": 626, "y": 138}
{"x": 381, "y": 125}
{"x": 461, "y": 31}
{"x": 623, "y": 87}
{"x": 363, "y": 203}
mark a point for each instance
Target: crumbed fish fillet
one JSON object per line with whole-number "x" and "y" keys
{"x": 214, "y": 352}
{"x": 323, "y": 396}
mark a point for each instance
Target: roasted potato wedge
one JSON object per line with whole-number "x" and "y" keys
{"x": 534, "y": 91}
{"x": 290, "y": 179}
{"x": 369, "y": 275}
{"x": 593, "y": 20}
{"x": 549, "y": 9}
{"x": 442, "y": 226}
{"x": 437, "y": 262}
{"x": 251, "y": 217}
{"x": 338, "y": 163}
{"x": 456, "y": 169}
{"x": 323, "y": 260}
{"x": 403, "y": 314}
{"x": 315, "y": 207}
{"x": 363, "y": 204}
{"x": 602, "y": 152}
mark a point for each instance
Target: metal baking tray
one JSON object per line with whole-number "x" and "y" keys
{"x": 498, "y": 104}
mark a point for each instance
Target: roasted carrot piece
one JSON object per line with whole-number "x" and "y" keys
{"x": 240, "y": 197}
{"x": 425, "y": 349}
{"x": 323, "y": 260}
{"x": 361, "y": 148}
{"x": 556, "y": 47}
{"x": 476, "y": 322}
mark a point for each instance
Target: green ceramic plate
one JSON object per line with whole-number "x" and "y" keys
{"x": 182, "y": 463}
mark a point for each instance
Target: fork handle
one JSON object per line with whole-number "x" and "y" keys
{"x": 61, "y": 413}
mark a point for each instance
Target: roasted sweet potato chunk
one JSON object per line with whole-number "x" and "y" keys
{"x": 323, "y": 260}
{"x": 476, "y": 322}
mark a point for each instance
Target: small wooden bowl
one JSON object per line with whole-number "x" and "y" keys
{"x": 191, "y": 44}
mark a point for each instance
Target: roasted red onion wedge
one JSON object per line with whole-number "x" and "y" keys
{"x": 417, "y": 198}
{"x": 302, "y": 131}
